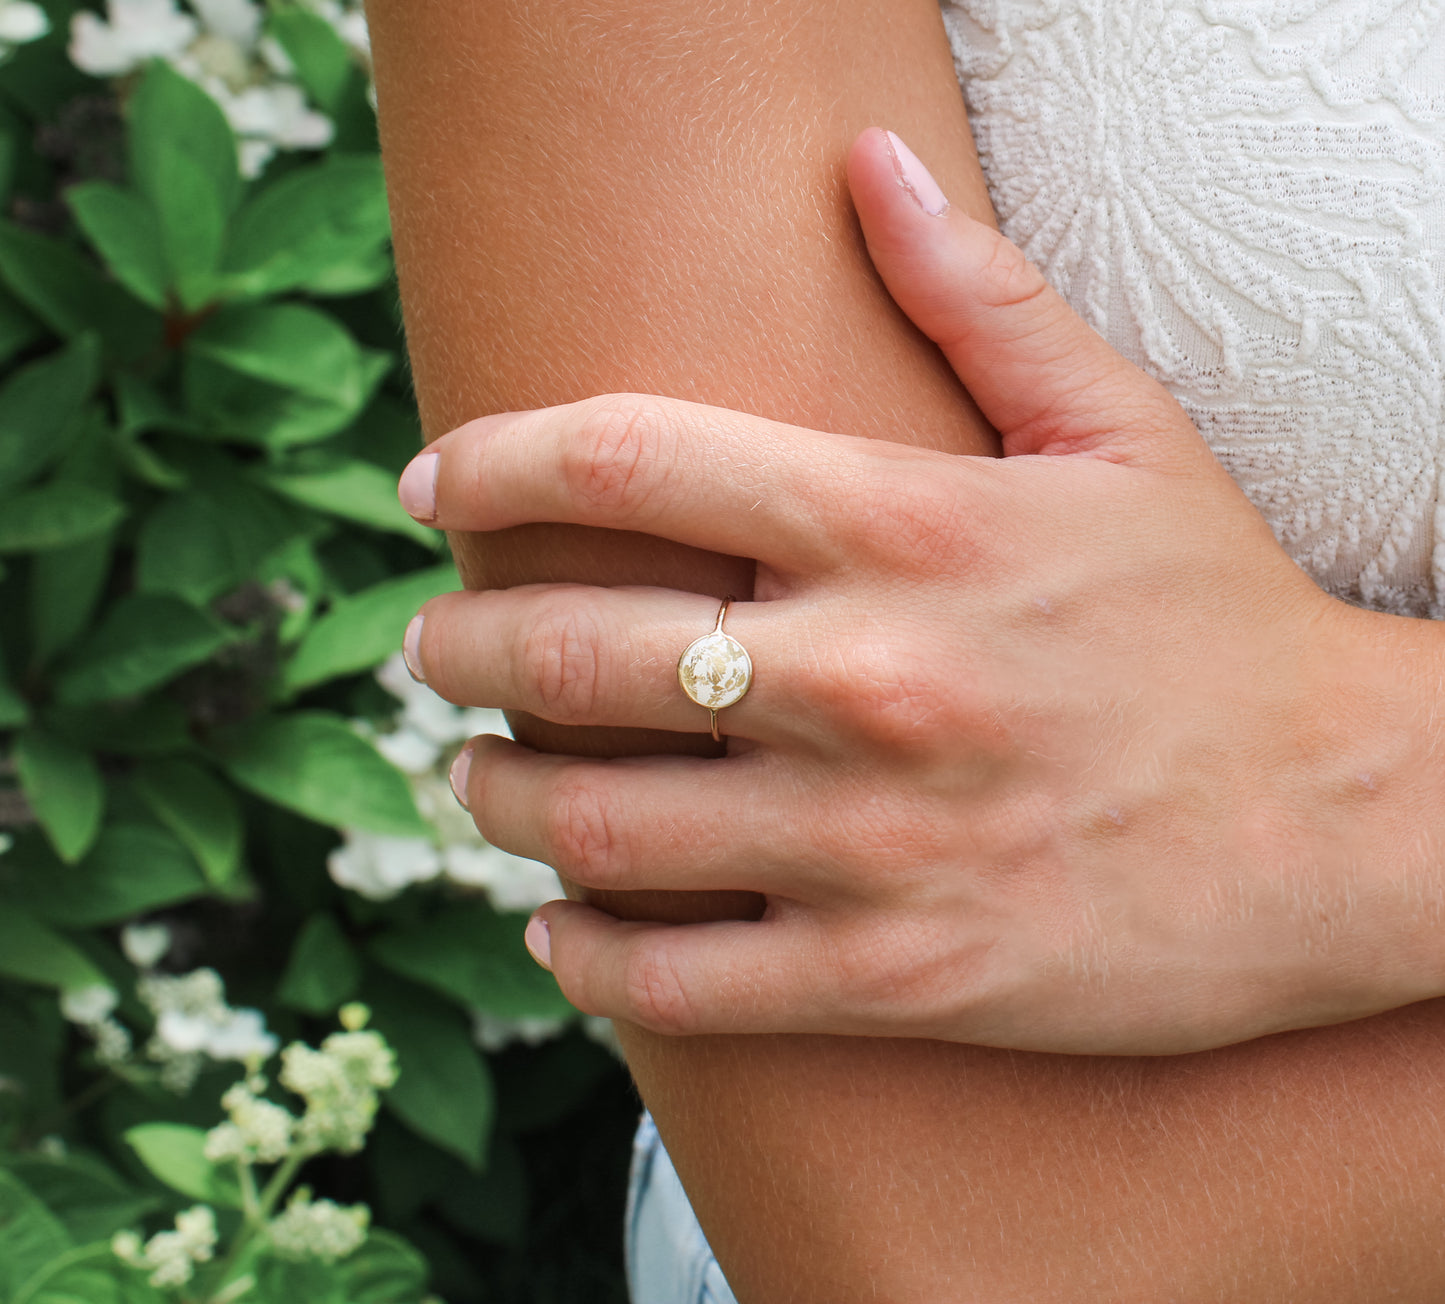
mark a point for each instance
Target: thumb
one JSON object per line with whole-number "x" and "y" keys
{"x": 1045, "y": 380}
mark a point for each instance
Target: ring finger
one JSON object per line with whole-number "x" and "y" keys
{"x": 579, "y": 655}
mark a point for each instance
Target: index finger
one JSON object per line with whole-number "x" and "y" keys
{"x": 709, "y": 477}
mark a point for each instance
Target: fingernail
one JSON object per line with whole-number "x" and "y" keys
{"x": 917, "y": 179}
{"x": 417, "y": 487}
{"x": 411, "y": 648}
{"x": 461, "y": 767}
{"x": 539, "y": 941}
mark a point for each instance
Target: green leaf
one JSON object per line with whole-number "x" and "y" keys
{"x": 290, "y": 346}
{"x": 385, "y": 1270}
{"x": 84, "y": 1194}
{"x": 313, "y": 223}
{"x": 477, "y": 957}
{"x": 65, "y": 585}
{"x": 364, "y": 629}
{"x": 143, "y": 408}
{"x": 444, "y": 1091}
{"x": 183, "y": 549}
{"x": 154, "y": 726}
{"x": 32, "y": 952}
{"x": 30, "y": 1235}
{"x": 175, "y": 1154}
{"x": 133, "y": 868}
{"x": 145, "y": 464}
{"x": 295, "y": 573}
{"x": 282, "y": 1281}
{"x": 69, "y": 294}
{"x": 355, "y": 491}
{"x": 90, "y": 1275}
{"x": 55, "y": 515}
{"x": 122, "y": 227}
{"x": 65, "y": 790}
{"x": 323, "y": 63}
{"x": 316, "y": 765}
{"x": 145, "y": 640}
{"x": 233, "y": 399}
{"x": 491, "y": 1205}
{"x": 40, "y": 407}
{"x": 364, "y": 271}
{"x": 324, "y": 972}
{"x": 18, "y": 328}
{"x": 199, "y": 810}
{"x": 204, "y": 542}
{"x": 183, "y": 161}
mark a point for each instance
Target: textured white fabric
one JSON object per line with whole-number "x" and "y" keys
{"x": 1247, "y": 199}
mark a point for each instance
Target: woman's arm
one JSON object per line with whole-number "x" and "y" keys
{"x": 625, "y": 194}
{"x": 646, "y": 195}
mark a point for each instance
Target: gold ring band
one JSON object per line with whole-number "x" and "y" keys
{"x": 715, "y": 670}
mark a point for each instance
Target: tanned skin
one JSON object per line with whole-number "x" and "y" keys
{"x": 648, "y": 195}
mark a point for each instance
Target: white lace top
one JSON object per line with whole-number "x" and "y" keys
{"x": 1247, "y": 198}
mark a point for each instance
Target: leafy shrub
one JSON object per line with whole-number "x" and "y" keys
{"x": 203, "y": 412}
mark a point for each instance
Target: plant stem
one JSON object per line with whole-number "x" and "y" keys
{"x": 280, "y": 1180}
{"x": 255, "y": 1209}
{"x": 250, "y": 1208}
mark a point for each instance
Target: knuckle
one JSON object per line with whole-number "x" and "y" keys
{"x": 904, "y": 967}
{"x": 563, "y": 651}
{"x": 607, "y": 460}
{"x": 655, "y": 994}
{"x": 917, "y": 526}
{"x": 883, "y": 696}
{"x": 1007, "y": 279}
{"x": 581, "y": 834}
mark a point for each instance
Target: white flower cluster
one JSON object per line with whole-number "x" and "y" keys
{"x": 20, "y": 23}
{"x": 318, "y": 1229}
{"x": 339, "y": 1083}
{"x": 92, "y": 1008}
{"x": 171, "y": 1257}
{"x": 219, "y": 44}
{"x": 421, "y": 744}
{"x": 193, "y": 1021}
{"x": 258, "y": 1132}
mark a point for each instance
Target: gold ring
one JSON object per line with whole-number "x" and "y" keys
{"x": 715, "y": 670}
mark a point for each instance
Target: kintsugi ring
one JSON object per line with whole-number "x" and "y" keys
{"x": 715, "y": 670}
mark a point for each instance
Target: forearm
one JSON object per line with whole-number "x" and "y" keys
{"x": 646, "y": 199}
{"x": 586, "y": 204}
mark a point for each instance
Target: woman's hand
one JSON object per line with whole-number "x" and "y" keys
{"x": 1056, "y": 752}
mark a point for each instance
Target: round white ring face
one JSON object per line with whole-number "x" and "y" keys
{"x": 715, "y": 671}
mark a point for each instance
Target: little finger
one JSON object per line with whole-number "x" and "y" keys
{"x": 686, "y": 979}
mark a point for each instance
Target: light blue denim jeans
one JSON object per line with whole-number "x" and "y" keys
{"x": 668, "y": 1259}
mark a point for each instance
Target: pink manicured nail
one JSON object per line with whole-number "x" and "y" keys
{"x": 411, "y": 648}
{"x": 917, "y": 179}
{"x": 461, "y": 767}
{"x": 417, "y": 487}
{"x": 539, "y": 941}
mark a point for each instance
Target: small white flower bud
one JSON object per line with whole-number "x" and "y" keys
{"x": 112, "y": 1042}
{"x": 145, "y": 945}
{"x": 88, "y": 1006}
